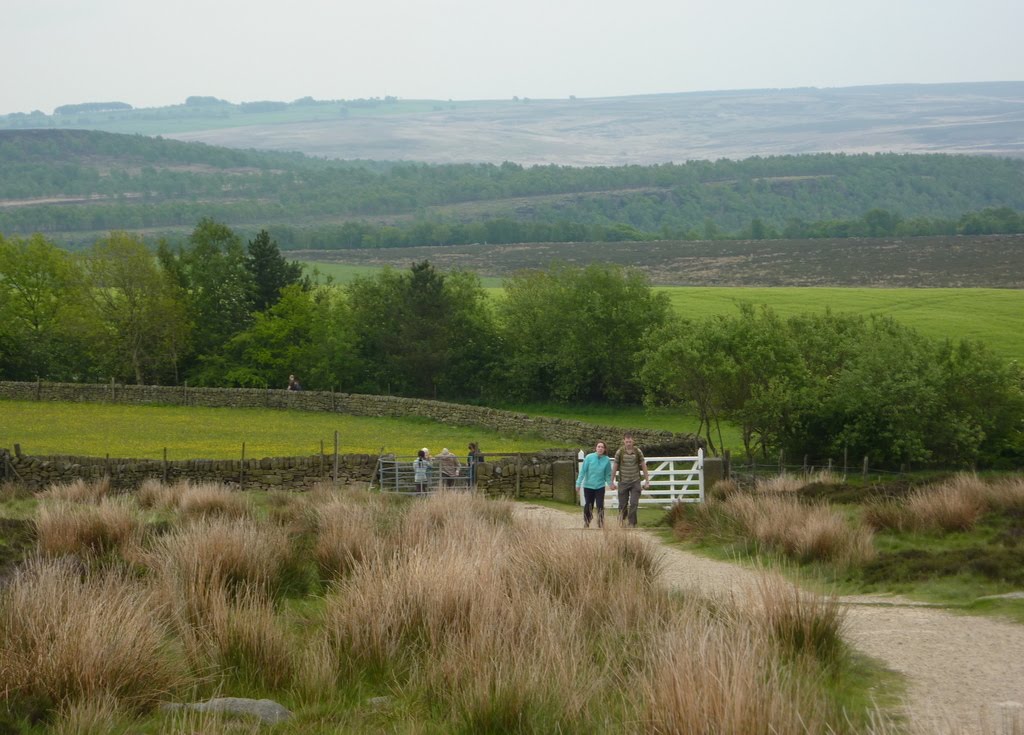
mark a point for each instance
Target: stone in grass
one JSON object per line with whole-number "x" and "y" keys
{"x": 267, "y": 710}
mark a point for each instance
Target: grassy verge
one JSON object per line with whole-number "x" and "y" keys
{"x": 958, "y": 541}
{"x": 366, "y": 613}
{"x": 94, "y": 429}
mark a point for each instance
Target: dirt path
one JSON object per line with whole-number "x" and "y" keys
{"x": 961, "y": 671}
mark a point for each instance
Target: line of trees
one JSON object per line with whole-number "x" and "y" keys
{"x": 214, "y": 311}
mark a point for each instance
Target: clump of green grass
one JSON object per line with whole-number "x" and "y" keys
{"x": 103, "y": 715}
{"x": 801, "y": 622}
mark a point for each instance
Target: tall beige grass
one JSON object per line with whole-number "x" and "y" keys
{"x": 800, "y": 622}
{"x": 102, "y": 715}
{"x": 78, "y": 491}
{"x": 347, "y": 534}
{"x": 160, "y": 496}
{"x": 782, "y": 483}
{"x": 91, "y": 529}
{"x": 806, "y": 532}
{"x": 70, "y": 639}
{"x": 208, "y": 499}
{"x": 708, "y": 677}
{"x": 952, "y": 505}
{"x": 237, "y": 553}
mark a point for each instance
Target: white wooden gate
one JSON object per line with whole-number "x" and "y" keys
{"x": 673, "y": 480}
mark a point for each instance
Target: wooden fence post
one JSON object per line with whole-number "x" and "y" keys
{"x": 864, "y": 472}
{"x": 335, "y": 478}
{"x": 241, "y": 470}
{"x": 322, "y": 476}
{"x": 782, "y": 466}
{"x": 165, "y": 465}
{"x": 726, "y": 464}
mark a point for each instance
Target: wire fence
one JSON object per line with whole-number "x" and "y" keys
{"x": 752, "y": 467}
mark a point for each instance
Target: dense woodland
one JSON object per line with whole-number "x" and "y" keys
{"x": 219, "y": 311}
{"x": 74, "y": 185}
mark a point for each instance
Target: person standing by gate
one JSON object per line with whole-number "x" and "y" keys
{"x": 595, "y": 477}
{"x": 421, "y": 467}
{"x": 631, "y": 464}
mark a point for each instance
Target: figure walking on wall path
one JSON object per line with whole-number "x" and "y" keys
{"x": 293, "y": 383}
{"x": 595, "y": 477}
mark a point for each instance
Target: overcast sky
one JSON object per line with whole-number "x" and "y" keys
{"x": 150, "y": 54}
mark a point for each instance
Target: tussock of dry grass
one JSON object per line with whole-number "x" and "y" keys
{"x": 250, "y": 640}
{"x": 783, "y": 523}
{"x": 952, "y": 505}
{"x": 801, "y": 623}
{"x": 78, "y": 491}
{"x": 210, "y": 499}
{"x": 103, "y": 715}
{"x": 70, "y": 639}
{"x": 709, "y": 677}
{"x": 719, "y": 491}
{"x": 217, "y": 551}
{"x": 87, "y": 529}
{"x": 346, "y": 535}
{"x": 160, "y": 496}
{"x": 1007, "y": 495}
{"x": 784, "y": 483}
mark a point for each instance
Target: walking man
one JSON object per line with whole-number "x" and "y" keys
{"x": 630, "y": 464}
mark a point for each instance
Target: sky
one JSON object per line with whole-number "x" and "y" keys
{"x": 150, "y": 54}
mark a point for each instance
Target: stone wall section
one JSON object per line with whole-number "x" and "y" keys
{"x": 524, "y": 476}
{"x": 561, "y": 432}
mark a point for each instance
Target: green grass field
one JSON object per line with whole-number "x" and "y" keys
{"x": 993, "y": 316}
{"x": 143, "y": 432}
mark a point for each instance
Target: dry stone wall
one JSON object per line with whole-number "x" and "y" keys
{"x": 561, "y": 432}
{"x": 544, "y": 475}
{"x": 277, "y": 473}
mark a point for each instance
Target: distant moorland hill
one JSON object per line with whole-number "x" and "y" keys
{"x": 971, "y": 118}
{"x": 74, "y": 185}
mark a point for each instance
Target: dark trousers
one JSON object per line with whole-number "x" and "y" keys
{"x": 592, "y": 496}
{"x": 629, "y": 501}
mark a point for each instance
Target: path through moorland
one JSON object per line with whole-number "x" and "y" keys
{"x": 961, "y": 671}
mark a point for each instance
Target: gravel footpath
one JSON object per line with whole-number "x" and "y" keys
{"x": 964, "y": 674}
